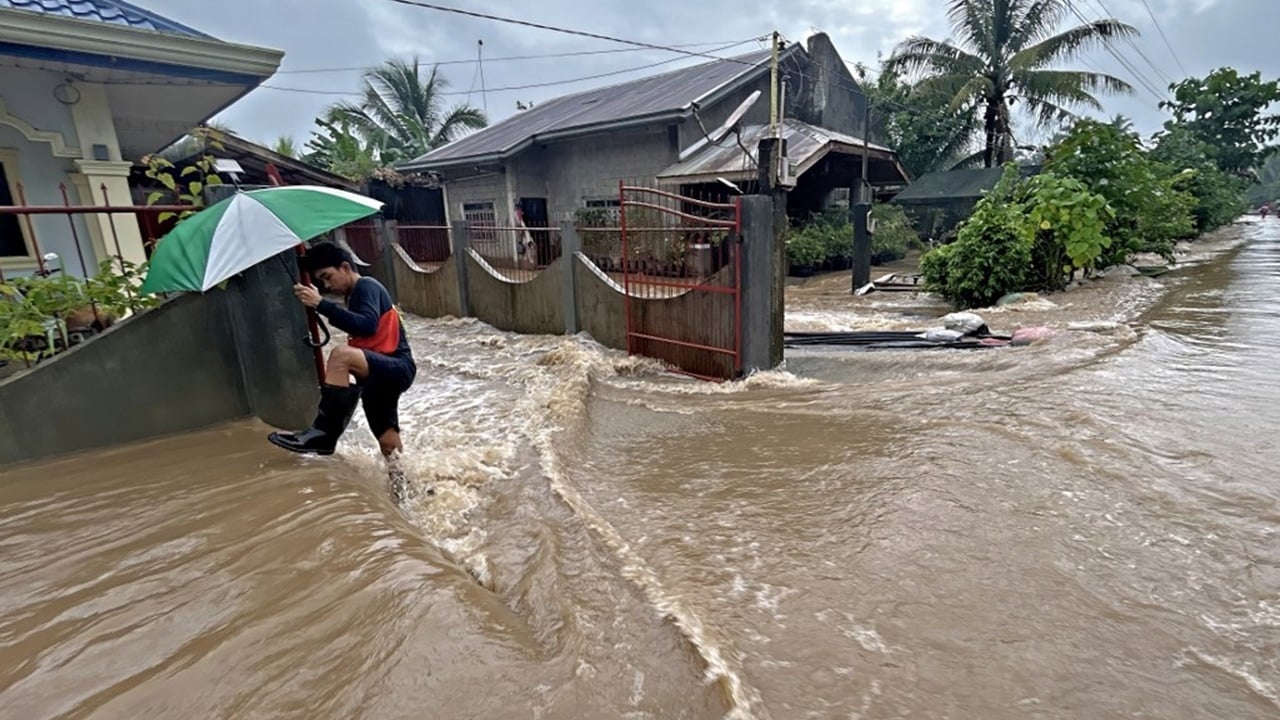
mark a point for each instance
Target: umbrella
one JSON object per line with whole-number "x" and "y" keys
{"x": 245, "y": 229}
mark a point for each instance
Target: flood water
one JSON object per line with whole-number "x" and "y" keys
{"x": 1085, "y": 528}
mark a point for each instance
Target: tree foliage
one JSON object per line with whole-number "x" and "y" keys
{"x": 1148, "y": 211}
{"x": 402, "y": 115}
{"x": 927, "y": 133}
{"x": 1226, "y": 111}
{"x": 1007, "y": 52}
{"x": 1070, "y": 225}
{"x": 187, "y": 186}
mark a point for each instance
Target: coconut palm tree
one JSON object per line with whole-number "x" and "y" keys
{"x": 286, "y": 146}
{"x": 402, "y": 114}
{"x": 1006, "y": 52}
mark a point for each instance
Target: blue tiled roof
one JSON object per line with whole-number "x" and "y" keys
{"x": 112, "y": 12}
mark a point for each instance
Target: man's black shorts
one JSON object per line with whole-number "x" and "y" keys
{"x": 389, "y": 377}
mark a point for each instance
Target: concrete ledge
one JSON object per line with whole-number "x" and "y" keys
{"x": 197, "y": 360}
{"x": 169, "y": 370}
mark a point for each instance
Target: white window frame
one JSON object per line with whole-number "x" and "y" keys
{"x": 9, "y": 159}
{"x": 476, "y": 207}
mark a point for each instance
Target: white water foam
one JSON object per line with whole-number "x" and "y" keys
{"x": 488, "y": 395}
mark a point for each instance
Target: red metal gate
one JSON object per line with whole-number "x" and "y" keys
{"x": 682, "y": 276}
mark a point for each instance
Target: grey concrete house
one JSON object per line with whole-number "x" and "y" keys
{"x": 570, "y": 152}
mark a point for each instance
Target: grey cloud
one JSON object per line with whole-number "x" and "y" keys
{"x": 351, "y": 33}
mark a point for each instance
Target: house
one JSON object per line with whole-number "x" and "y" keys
{"x": 569, "y": 153}
{"x": 938, "y": 202}
{"x": 87, "y": 87}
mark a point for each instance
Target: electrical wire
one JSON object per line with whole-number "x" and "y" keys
{"x": 506, "y": 58}
{"x": 1164, "y": 37}
{"x": 1106, "y": 44}
{"x": 550, "y": 83}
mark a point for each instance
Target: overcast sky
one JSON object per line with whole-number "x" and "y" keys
{"x": 328, "y": 42}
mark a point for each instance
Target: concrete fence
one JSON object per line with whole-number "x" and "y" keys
{"x": 194, "y": 361}
{"x": 572, "y": 294}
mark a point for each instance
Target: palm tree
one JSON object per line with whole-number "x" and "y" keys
{"x": 286, "y": 146}
{"x": 402, "y": 114}
{"x": 1006, "y": 53}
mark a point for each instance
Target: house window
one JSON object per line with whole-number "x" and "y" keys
{"x": 481, "y": 219}
{"x": 611, "y": 206}
{"x": 14, "y": 242}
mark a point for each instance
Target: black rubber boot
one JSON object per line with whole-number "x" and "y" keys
{"x": 337, "y": 405}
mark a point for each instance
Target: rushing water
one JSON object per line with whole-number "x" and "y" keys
{"x": 1085, "y": 528}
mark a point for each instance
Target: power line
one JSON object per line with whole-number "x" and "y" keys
{"x": 507, "y": 58}
{"x": 554, "y": 28}
{"x": 1164, "y": 37}
{"x": 1106, "y": 44}
{"x": 1106, "y": 12}
{"x": 550, "y": 83}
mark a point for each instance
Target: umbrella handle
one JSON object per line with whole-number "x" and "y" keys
{"x": 313, "y": 342}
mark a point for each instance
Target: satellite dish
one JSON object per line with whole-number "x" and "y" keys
{"x": 725, "y": 128}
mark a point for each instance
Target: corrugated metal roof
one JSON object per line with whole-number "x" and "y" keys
{"x": 806, "y": 145}
{"x": 111, "y": 12}
{"x": 655, "y": 95}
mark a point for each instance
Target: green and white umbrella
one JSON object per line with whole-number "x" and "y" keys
{"x": 245, "y": 229}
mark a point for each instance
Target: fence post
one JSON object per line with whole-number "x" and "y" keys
{"x": 387, "y": 237}
{"x": 762, "y": 286}
{"x": 570, "y": 246}
{"x": 459, "y": 242}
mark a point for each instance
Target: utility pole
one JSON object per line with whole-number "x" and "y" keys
{"x": 770, "y": 154}
{"x": 484, "y": 96}
{"x": 860, "y": 209}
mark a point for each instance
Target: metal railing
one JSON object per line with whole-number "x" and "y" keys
{"x": 146, "y": 217}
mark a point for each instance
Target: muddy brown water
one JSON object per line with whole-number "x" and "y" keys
{"x": 1081, "y": 529}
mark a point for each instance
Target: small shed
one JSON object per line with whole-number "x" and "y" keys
{"x": 938, "y": 202}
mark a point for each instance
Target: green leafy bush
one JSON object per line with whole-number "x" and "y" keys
{"x": 33, "y": 307}
{"x": 991, "y": 256}
{"x": 806, "y": 247}
{"x": 1217, "y": 198}
{"x": 1070, "y": 225}
{"x": 1150, "y": 214}
{"x": 894, "y": 237}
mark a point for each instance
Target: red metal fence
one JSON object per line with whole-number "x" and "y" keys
{"x": 145, "y": 217}
{"x": 365, "y": 239}
{"x": 428, "y": 245}
{"x": 680, "y": 262}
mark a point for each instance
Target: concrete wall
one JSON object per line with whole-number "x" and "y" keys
{"x": 195, "y": 361}
{"x": 487, "y": 188}
{"x": 590, "y": 167}
{"x": 572, "y": 295}
{"x": 534, "y": 307}
{"x": 430, "y": 294}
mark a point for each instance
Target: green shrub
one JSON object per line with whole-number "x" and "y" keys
{"x": 894, "y": 236}
{"x": 934, "y": 269}
{"x": 1149, "y": 213}
{"x": 991, "y": 256}
{"x": 1070, "y": 225}
{"x": 806, "y": 247}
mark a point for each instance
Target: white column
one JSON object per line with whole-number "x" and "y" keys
{"x": 106, "y": 230}
{"x": 95, "y": 126}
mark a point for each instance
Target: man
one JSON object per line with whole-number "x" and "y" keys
{"x": 377, "y": 354}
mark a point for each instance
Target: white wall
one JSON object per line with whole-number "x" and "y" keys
{"x": 40, "y": 128}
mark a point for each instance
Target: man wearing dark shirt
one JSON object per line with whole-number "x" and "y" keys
{"x": 377, "y": 354}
